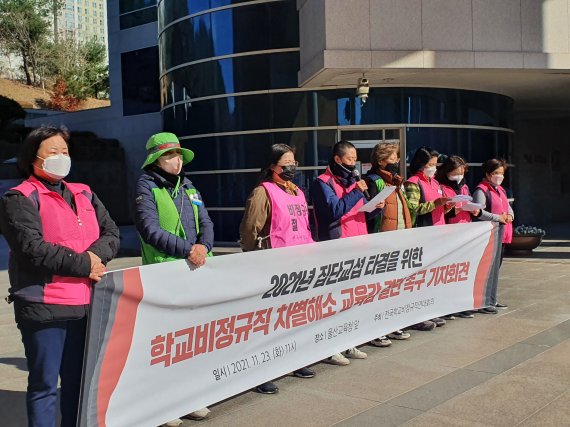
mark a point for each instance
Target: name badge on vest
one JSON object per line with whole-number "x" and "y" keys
{"x": 195, "y": 199}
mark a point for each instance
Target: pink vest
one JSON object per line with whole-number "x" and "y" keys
{"x": 62, "y": 226}
{"x": 462, "y": 216}
{"x": 430, "y": 190}
{"x": 499, "y": 205}
{"x": 353, "y": 223}
{"x": 289, "y": 217}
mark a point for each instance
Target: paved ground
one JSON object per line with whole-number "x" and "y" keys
{"x": 510, "y": 369}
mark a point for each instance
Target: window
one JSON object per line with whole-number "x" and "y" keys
{"x": 140, "y": 81}
{"x": 139, "y": 17}
{"x": 126, "y": 6}
{"x": 231, "y": 31}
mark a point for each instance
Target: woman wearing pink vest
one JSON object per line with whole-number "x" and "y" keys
{"x": 425, "y": 196}
{"x": 276, "y": 216}
{"x": 451, "y": 176}
{"x": 60, "y": 237}
{"x": 426, "y": 202}
{"x": 493, "y": 197}
{"x": 337, "y": 196}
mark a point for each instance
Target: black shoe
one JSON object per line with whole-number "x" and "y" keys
{"x": 267, "y": 388}
{"x": 501, "y": 306}
{"x": 423, "y": 326}
{"x": 438, "y": 321}
{"x": 488, "y": 310}
{"x": 304, "y": 373}
{"x": 466, "y": 315}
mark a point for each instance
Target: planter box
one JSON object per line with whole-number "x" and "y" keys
{"x": 524, "y": 244}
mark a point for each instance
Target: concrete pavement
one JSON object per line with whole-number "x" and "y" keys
{"x": 510, "y": 369}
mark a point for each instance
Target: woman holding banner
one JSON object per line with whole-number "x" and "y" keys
{"x": 338, "y": 194}
{"x": 170, "y": 216}
{"x": 496, "y": 207}
{"x": 385, "y": 160}
{"x": 451, "y": 176}
{"x": 276, "y": 215}
{"x": 426, "y": 201}
{"x": 60, "y": 237}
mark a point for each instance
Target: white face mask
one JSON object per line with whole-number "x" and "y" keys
{"x": 430, "y": 171}
{"x": 497, "y": 179}
{"x": 172, "y": 166}
{"x": 57, "y": 166}
{"x": 456, "y": 178}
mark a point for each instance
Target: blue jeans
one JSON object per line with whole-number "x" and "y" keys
{"x": 53, "y": 349}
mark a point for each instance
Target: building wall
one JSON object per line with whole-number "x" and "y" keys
{"x": 84, "y": 20}
{"x": 229, "y": 91}
{"x": 469, "y": 34}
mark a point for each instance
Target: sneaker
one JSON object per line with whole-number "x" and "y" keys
{"x": 438, "y": 321}
{"x": 428, "y": 325}
{"x": 449, "y": 317}
{"x": 337, "y": 359}
{"x": 354, "y": 353}
{"x": 466, "y": 315}
{"x": 199, "y": 415}
{"x": 267, "y": 388}
{"x": 488, "y": 310}
{"x": 304, "y": 373}
{"x": 381, "y": 342}
{"x": 501, "y": 306}
{"x": 399, "y": 335}
{"x": 173, "y": 423}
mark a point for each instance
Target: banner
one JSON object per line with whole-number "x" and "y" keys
{"x": 167, "y": 339}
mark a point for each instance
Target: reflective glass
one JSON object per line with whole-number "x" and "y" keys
{"x": 242, "y": 29}
{"x": 131, "y": 5}
{"x": 139, "y": 17}
{"x": 252, "y": 151}
{"x": 139, "y": 71}
{"x": 231, "y": 75}
{"x": 175, "y": 9}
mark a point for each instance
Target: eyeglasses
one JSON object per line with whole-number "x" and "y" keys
{"x": 290, "y": 164}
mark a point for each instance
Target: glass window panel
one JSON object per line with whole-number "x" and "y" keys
{"x": 232, "y": 75}
{"x": 252, "y": 151}
{"x": 176, "y": 9}
{"x": 242, "y": 29}
{"x": 139, "y": 70}
{"x": 131, "y": 5}
{"x": 139, "y": 17}
{"x": 429, "y": 105}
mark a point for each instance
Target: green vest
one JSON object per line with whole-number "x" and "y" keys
{"x": 169, "y": 220}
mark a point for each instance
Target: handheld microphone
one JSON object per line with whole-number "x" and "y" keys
{"x": 356, "y": 176}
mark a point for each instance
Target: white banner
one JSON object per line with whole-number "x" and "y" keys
{"x": 165, "y": 339}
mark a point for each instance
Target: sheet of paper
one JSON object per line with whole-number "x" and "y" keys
{"x": 471, "y": 207}
{"x": 461, "y": 198}
{"x": 371, "y": 205}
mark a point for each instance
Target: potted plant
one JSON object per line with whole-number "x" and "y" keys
{"x": 526, "y": 238}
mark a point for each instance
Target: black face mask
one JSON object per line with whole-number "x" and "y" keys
{"x": 393, "y": 168}
{"x": 287, "y": 172}
{"x": 349, "y": 167}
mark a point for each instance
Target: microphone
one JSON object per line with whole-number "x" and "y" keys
{"x": 356, "y": 176}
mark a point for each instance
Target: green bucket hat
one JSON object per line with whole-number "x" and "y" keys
{"x": 160, "y": 143}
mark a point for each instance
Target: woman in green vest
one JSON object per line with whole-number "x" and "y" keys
{"x": 170, "y": 216}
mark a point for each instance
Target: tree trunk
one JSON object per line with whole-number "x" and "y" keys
{"x": 27, "y": 69}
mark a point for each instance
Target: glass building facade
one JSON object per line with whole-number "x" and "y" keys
{"x": 229, "y": 90}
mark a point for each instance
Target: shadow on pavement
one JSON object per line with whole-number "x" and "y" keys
{"x": 18, "y": 362}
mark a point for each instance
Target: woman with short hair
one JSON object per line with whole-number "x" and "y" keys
{"x": 60, "y": 237}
